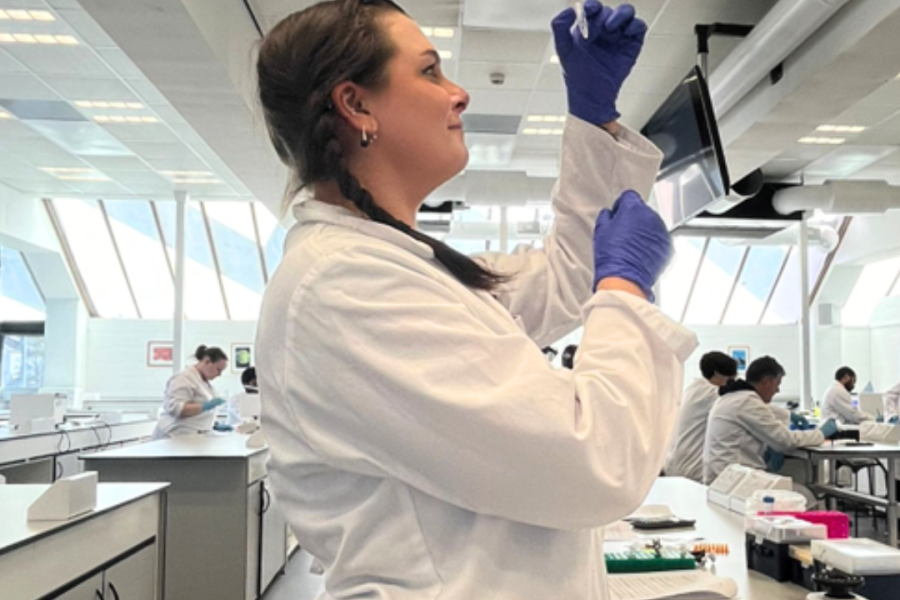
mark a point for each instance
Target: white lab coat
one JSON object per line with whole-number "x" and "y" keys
{"x": 187, "y": 386}
{"x": 892, "y": 402}
{"x": 838, "y": 405}
{"x": 421, "y": 444}
{"x": 686, "y": 456}
{"x": 242, "y": 406}
{"x": 740, "y": 428}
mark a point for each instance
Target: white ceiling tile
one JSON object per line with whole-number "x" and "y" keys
{"x": 98, "y": 187}
{"x": 8, "y": 64}
{"x": 157, "y": 154}
{"x": 148, "y": 93}
{"x": 491, "y": 102}
{"x": 547, "y": 103}
{"x": 12, "y": 166}
{"x": 60, "y": 60}
{"x": 64, "y": 3}
{"x": 670, "y": 51}
{"x": 532, "y": 15}
{"x": 24, "y": 86}
{"x": 141, "y": 132}
{"x": 477, "y": 75}
{"x": 119, "y": 62}
{"x": 74, "y": 87}
{"x": 504, "y": 46}
{"x": 114, "y": 164}
{"x": 678, "y": 17}
{"x": 844, "y": 161}
{"x": 33, "y": 185}
{"x": 86, "y": 28}
{"x": 881, "y": 135}
{"x": 137, "y": 180}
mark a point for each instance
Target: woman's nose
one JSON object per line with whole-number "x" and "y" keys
{"x": 460, "y": 98}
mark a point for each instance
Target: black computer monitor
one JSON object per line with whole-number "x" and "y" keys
{"x": 693, "y": 172}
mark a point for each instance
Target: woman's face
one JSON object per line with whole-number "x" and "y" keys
{"x": 210, "y": 370}
{"x": 418, "y": 114}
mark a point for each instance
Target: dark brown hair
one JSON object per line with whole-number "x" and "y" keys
{"x": 300, "y": 62}
{"x": 213, "y": 354}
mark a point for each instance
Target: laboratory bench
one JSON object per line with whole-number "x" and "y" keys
{"x": 222, "y": 522}
{"x": 47, "y": 456}
{"x": 717, "y": 525}
{"x": 113, "y": 552}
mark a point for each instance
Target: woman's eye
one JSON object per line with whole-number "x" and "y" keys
{"x": 432, "y": 70}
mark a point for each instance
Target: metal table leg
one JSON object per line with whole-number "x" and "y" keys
{"x": 892, "y": 501}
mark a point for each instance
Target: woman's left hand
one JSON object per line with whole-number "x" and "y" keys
{"x": 596, "y": 66}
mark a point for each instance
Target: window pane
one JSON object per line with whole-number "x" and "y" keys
{"x": 202, "y": 294}
{"x": 755, "y": 284}
{"x": 714, "y": 283}
{"x": 675, "y": 284}
{"x": 785, "y": 304}
{"x": 134, "y": 229}
{"x": 95, "y": 257}
{"x": 870, "y": 289}
{"x": 467, "y": 247}
{"x": 235, "y": 239}
{"x": 272, "y": 235}
{"x": 20, "y": 299}
{"x": 23, "y": 364}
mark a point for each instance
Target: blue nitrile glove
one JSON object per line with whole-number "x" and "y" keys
{"x": 893, "y": 420}
{"x": 222, "y": 427}
{"x": 631, "y": 242}
{"x": 594, "y": 68}
{"x": 799, "y": 421}
{"x": 774, "y": 460}
{"x": 211, "y": 404}
{"x": 829, "y": 429}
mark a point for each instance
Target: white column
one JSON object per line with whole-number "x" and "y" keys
{"x": 181, "y": 200}
{"x": 805, "y": 362}
{"x": 504, "y": 229}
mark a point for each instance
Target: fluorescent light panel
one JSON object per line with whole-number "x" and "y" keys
{"x": 439, "y": 32}
{"x": 26, "y": 15}
{"x": 541, "y": 131}
{"x": 75, "y": 174}
{"x": 106, "y": 104}
{"x": 841, "y": 128}
{"x": 120, "y": 119}
{"x": 186, "y": 173}
{"x": 445, "y": 54}
{"x": 28, "y": 38}
{"x": 197, "y": 181}
{"x": 546, "y": 118}
{"x": 821, "y": 140}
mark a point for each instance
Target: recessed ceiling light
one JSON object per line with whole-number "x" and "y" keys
{"x": 134, "y": 105}
{"x": 4, "y": 115}
{"x": 841, "y": 128}
{"x": 26, "y": 15}
{"x": 67, "y": 40}
{"x": 186, "y": 173}
{"x": 27, "y": 38}
{"x": 117, "y": 105}
{"x": 196, "y": 181}
{"x": 66, "y": 169}
{"x": 554, "y": 60}
{"x": 445, "y": 54}
{"x": 821, "y": 140}
{"x": 75, "y": 174}
{"x": 438, "y": 32}
{"x": 124, "y": 119}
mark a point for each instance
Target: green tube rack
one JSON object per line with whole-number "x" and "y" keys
{"x": 643, "y": 561}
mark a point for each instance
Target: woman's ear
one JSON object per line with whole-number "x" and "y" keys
{"x": 348, "y": 99}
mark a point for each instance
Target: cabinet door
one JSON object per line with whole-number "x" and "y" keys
{"x": 88, "y": 590}
{"x": 134, "y": 578}
{"x": 254, "y": 521}
{"x": 274, "y": 539}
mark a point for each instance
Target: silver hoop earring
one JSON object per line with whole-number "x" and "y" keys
{"x": 365, "y": 142}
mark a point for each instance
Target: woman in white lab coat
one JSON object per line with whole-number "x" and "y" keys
{"x": 190, "y": 402}
{"x": 421, "y": 445}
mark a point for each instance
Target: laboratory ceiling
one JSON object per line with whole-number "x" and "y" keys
{"x": 133, "y": 99}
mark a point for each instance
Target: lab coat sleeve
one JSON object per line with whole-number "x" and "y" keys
{"x": 450, "y": 403}
{"x": 782, "y": 414}
{"x": 178, "y": 393}
{"x": 765, "y": 425}
{"x": 552, "y": 283}
{"x": 891, "y": 402}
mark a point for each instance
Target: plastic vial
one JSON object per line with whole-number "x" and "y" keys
{"x": 768, "y": 505}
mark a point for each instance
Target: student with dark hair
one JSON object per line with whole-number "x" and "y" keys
{"x": 245, "y": 405}
{"x": 190, "y": 400}
{"x": 568, "y": 357}
{"x": 407, "y": 402}
{"x": 838, "y": 403}
{"x": 742, "y": 425}
{"x": 686, "y": 454}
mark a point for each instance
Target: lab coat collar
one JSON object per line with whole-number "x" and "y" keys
{"x": 314, "y": 211}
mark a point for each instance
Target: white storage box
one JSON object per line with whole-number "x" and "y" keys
{"x": 857, "y": 556}
{"x": 785, "y": 530}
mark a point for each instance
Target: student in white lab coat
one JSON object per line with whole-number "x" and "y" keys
{"x": 190, "y": 401}
{"x": 245, "y": 404}
{"x": 838, "y": 404}
{"x": 686, "y": 456}
{"x": 892, "y": 404}
{"x": 742, "y": 424}
{"x": 421, "y": 444}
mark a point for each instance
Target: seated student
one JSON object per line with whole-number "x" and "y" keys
{"x": 741, "y": 424}
{"x": 838, "y": 404}
{"x": 245, "y": 404}
{"x": 568, "y": 356}
{"x": 686, "y": 455}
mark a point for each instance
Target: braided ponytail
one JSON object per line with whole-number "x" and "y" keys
{"x": 300, "y": 61}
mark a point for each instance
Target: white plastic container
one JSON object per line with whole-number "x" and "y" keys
{"x": 785, "y": 530}
{"x": 857, "y": 556}
{"x": 785, "y": 501}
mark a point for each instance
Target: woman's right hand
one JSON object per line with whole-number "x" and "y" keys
{"x": 631, "y": 242}
{"x": 211, "y": 404}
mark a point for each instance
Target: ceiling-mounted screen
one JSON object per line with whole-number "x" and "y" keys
{"x": 693, "y": 173}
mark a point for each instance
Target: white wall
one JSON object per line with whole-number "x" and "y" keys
{"x": 117, "y": 355}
